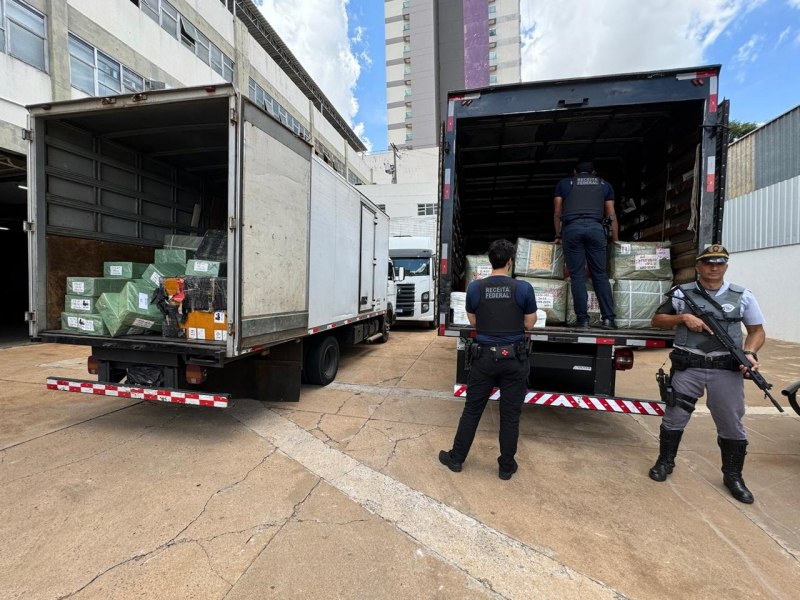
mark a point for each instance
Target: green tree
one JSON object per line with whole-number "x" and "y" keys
{"x": 737, "y": 129}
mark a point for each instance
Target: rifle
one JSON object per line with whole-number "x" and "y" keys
{"x": 724, "y": 338}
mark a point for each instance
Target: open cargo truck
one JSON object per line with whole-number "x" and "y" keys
{"x": 659, "y": 138}
{"x": 307, "y": 254}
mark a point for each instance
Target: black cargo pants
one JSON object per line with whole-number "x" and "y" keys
{"x": 511, "y": 376}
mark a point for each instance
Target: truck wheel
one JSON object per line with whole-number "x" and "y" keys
{"x": 322, "y": 361}
{"x": 385, "y": 337}
{"x": 431, "y": 325}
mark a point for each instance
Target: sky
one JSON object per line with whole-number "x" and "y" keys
{"x": 757, "y": 42}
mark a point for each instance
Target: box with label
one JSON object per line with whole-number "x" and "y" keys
{"x": 79, "y": 304}
{"x": 207, "y": 268}
{"x": 636, "y": 301}
{"x": 125, "y": 270}
{"x": 205, "y": 293}
{"x": 93, "y": 286}
{"x": 539, "y": 259}
{"x": 551, "y": 297}
{"x": 154, "y": 274}
{"x": 592, "y": 305}
{"x": 204, "y": 325}
{"x": 83, "y": 323}
{"x": 131, "y": 308}
{"x": 640, "y": 260}
{"x": 478, "y": 267}
{"x": 186, "y": 242}
{"x": 173, "y": 256}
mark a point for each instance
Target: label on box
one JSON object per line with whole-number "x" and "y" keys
{"x": 221, "y": 335}
{"x": 78, "y": 287}
{"x": 544, "y": 301}
{"x": 593, "y": 304}
{"x": 156, "y": 278}
{"x": 662, "y": 253}
{"x": 483, "y": 271}
{"x": 646, "y": 262}
{"x": 201, "y": 266}
{"x": 80, "y": 304}
{"x": 115, "y": 269}
{"x": 143, "y": 323}
{"x": 541, "y": 257}
{"x": 219, "y": 317}
{"x": 86, "y": 325}
{"x": 200, "y": 333}
{"x": 72, "y": 321}
{"x": 192, "y": 333}
{"x": 144, "y": 301}
{"x": 624, "y": 248}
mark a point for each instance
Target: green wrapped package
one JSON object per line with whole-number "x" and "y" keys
{"x": 539, "y": 259}
{"x": 478, "y": 267}
{"x": 155, "y": 274}
{"x": 93, "y": 286}
{"x": 124, "y": 270}
{"x": 79, "y": 304}
{"x": 207, "y": 268}
{"x": 130, "y": 310}
{"x": 186, "y": 242}
{"x": 635, "y": 302}
{"x": 83, "y": 323}
{"x": 592, "y": 306}
{"x": 551, "y": 297}
{"x": 178, "y": 256}
{"x": 640, "y": 261}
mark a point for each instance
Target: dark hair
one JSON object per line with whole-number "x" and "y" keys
{"x": 500, "y": 252}
{"x": 585, "y": 167}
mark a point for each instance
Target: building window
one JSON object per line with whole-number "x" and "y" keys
{"x": 492, "y": 32}
{"x": 382, "y": 207}
{"x": 492, "y": 9}
{"x": 263, "y": 100}
{"x": 492, "y": 79}
{"x": 188, "y": 35}
{"x": 426, "y": 209}
{"x": 23, "y": 34}
{"x": 169, "y": 18}
{"x": 98, "y": 74}
{"x": 409, "y": 136}
{"x": 492, "y": 55}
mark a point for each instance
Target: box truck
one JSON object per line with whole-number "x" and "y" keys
{"x": 110, "y": 179}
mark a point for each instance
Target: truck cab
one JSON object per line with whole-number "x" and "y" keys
{"x": 414, "y": 261}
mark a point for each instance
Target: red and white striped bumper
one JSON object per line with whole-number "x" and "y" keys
{"x": 124, "y": 391}
{"x": 618, "y": 405}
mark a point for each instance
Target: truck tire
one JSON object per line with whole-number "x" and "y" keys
{"x": 385, "y": 337}
{"x": 322, "y": 361}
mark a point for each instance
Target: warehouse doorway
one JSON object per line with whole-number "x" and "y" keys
{"x": 13, "y": 249}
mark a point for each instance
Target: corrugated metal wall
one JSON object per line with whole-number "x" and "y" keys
{"x": 763, "y": 187}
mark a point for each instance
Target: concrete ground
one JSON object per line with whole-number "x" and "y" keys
{"x": 341, "y": 495}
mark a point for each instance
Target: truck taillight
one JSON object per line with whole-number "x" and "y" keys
{"x": 195, "y": 374}
{"x": 623, "y": 359}
{"x": 92, "y": 365}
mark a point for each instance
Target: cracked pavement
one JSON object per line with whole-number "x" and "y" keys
{"x": 341, "y": 495}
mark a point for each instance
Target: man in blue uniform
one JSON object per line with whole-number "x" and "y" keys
{"x": 581, "y": 204}
{"x": 700, "y": 364}
{"x": 501, "y": 309}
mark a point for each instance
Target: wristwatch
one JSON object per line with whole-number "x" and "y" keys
{"x": 751, "y": 353}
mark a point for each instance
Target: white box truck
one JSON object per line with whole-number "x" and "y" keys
{"x": 416, "y": 290}
{"x": 307, "y": 253}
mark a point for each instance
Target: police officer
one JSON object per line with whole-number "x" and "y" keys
{"x": 700, "y": 363}
{"x": 582, "y": 202}
{"x": 500, "y": 308}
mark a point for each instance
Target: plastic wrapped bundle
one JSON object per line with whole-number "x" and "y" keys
{"x": 131, "y": 308}
{"x": 214, "y": 246}
{"x": 640, "y": 261}
{"x": 83, "y": 323}
{"x": 478, "y": 267}
{"x": 592, "y": 306}
{"x": 207, "y": 268}
{"x": 155, "y": 274}
{"x": 93, "y": 286}
{"x": 186, "y": 242}
{"x": 551, "y": 297}
{"x": 125, "y": 270}
{"x": 635, "y": 302}
{"x": 207, "y": 294}
{"x": 178, "y": 256}
{"x": 539, "y": 259}
{"x": 458, "y": 301}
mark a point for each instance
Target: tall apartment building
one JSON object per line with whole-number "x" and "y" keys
{"x": 52, "y": 50}
{"x": 436, "y": 46}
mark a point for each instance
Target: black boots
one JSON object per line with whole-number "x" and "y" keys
{"x": 670, "y": 440}
{"x": 733, "y": 453}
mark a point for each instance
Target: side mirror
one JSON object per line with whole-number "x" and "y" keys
{"x": 400, "y": 273}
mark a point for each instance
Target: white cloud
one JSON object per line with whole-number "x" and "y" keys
{"x": 794, "y": 3}
{"x": 783, "y": 35}
{"x": 566, "y": 39}
{"x": 749, "y": 51}
{"x": 316, "y": 31}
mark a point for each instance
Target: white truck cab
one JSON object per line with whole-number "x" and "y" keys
{"x": 416, "y": 284}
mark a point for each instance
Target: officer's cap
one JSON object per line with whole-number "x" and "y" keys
{"x": 715, "y": 253}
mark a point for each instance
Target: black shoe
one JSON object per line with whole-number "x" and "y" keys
{"x": 733, "y": 453}
{"x": 608, "y": 324}
{"x": 581, "y": 325}
{"x": 506, "y": 475}
{"x": 669, "y": 440}
{"x": 447, "y": 461}
{"x": 738, "y": 489}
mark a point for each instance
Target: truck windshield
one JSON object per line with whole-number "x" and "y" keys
{"x": 413, "y": 266}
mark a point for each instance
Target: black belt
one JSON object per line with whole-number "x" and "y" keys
{"x": 699, "y": 361}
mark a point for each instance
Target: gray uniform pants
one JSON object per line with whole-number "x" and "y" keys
{"x": 725, "y": 400}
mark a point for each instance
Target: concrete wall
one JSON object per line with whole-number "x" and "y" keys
{"x": 420, "y": 165}
{"x": 401, "y": 199}
{"x": 776, "y": 289}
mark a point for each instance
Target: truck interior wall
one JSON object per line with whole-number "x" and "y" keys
{"x": 116, "y": 182}
{"x": 508, "y": 166}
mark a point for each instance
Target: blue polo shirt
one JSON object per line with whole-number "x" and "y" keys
{"x": 523, "y": 296}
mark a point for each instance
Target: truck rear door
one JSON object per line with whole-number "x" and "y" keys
{"x": 366, "y": 294}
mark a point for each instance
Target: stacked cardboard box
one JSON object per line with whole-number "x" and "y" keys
{"x": 551, "y": 297}
{"x": 130, "y": 312}
{"x": 80, "y": 304}
{"x": 635, "y": 302}
{"x": 539, "y": 259}
{"x": 643, "y": 274}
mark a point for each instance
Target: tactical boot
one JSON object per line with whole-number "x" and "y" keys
{"x": 733, "y": 453}
{"x": 669, "y": 441}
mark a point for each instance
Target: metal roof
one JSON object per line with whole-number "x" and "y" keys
{"x": 267, "y": 37}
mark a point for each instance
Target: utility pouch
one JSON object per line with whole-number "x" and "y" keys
{"x": 680, "y": 362}
{"x": 502, "y": 352}
{"x": 607, "y": 228}
{"x": 468, "y": 354}
{"x": 665, "y": 388}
